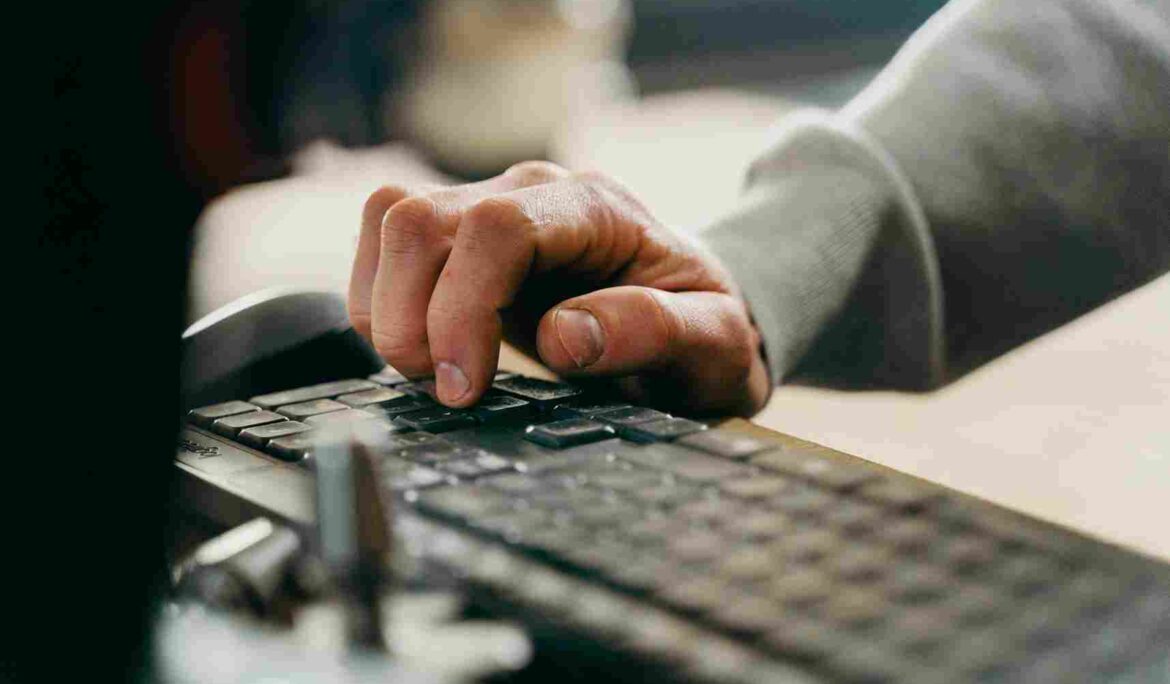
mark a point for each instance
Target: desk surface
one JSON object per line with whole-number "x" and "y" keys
{"x": 1073, "y": 427}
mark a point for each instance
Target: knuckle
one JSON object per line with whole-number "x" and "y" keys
{"x": 380, "y": 200}
{"x": 535, "y": 172}
{"x": 497, "y": 212}
{"x": 408, "y": 222}
{"x": 395, "y": 349}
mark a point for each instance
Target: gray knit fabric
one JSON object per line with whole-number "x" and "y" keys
{"x": 1007, "y": 172}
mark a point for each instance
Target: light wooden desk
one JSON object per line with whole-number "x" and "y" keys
{"x": 1073, "y": 427}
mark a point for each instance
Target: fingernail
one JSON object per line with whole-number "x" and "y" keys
{"x": 451, "y": 383}
{"x": 581, "y": 335}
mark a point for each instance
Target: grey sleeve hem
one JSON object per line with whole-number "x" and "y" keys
{"x": 835, "y": 259}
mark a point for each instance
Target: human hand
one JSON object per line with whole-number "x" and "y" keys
{"x": 569, "y": 266}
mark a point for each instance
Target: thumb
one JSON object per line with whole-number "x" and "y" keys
{"x": 703, "y": 340}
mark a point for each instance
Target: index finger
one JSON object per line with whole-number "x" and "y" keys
{"x": 498, "y": 242}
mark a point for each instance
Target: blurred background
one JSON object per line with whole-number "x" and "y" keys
{"x": 673, "y": 98}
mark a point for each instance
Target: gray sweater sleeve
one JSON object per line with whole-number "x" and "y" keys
{"x": 1007, "y": 172}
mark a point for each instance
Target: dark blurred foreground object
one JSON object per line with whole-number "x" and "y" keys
{"x": 131, "y": 120}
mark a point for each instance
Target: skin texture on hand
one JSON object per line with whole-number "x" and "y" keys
{"x": 570, "y": 267}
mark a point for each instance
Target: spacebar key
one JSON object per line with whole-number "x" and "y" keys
{"x": 684, "y": 463}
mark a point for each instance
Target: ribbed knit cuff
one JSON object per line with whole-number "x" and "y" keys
{"x": 835, "y": 260}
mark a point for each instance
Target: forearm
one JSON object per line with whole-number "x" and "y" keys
{"x": 1006, "y": 173}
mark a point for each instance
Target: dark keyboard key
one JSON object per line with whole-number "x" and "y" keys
{"x": 258, "y": 436}
{"x": 401, "y": 441}
{"x": 661, "y": 430}
{"x": 542, "y": 393}
{"x": 436, "y": 419}
{"x": 632, "y": 415}
{"x": 433, "y": 452}
{"x": 207, "y": 415}
{"x": 388, "y": 376}
{"x": 368, "y": 397}
{"x": 586, "y": 409}
{"x": 294, "y": 448}
{"x": 501, "y": 408}
{"x": 684, "y": 463}
{"x": 417, "y": 477}
{"x": 404, "y": 404}
{"x": 231, "y": 426}
{"x": 566, "y": 433}
{"x": 725, "y": 443}
{"x": 480, "y": 464}
{"x": 418, "y": 388}
{"x": 335, "y": 417}
{"x": 310, "y": 408}
{"x": 327, "y": 389}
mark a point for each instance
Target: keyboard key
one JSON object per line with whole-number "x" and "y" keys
{"x": 661, "y": 430}
{"x": 860, "y": 564}
{"x": 684, "y": 463}
{"x": 231, "y": 425}
{"x": 335, "y": 417}
{"x": 698, "y": 595}
{"x": 368, "y": 397}
{"x": 481, "y": 464}
{"x": 400, "y": 405}
{"x": 315, "y": 407}
{"x": 408, "y": 439}
{"x": 586, "y": 409}
{"x": 566, "y": 433}
{"x": 834, "y": 475}
{"x": 759, "y": 525}
{"x": 919, "y": 584}
{"x": 417, "y": 477}
{"x": 501, "y": 408}
{"x": 748, "y": 615}
{"x": 436, "y": 419}
{"x": 541, "y": 393}
{"x": 908, "y": 535}
{"x": 258, "y": 436}
{"x": 632, "y": 415}
{"x": 388, "y": 376}
{"x": 698, "y": 546}
{"x": 296, "y": 396}
{"x": 854, "y": 609}
{"x": 901, "y": 493}
{"x": 463, "y": 503}
{"x": 725, "y": 443}
{"x": 800, "y": 589}
{"x": 808, "y": 546}
{"x": 294, "y": 448}
{"x": 755, "y": 487}
{"x": 207, "y": 415}
{"x": 748, "y": 563}
{"x": 433, "y": 452}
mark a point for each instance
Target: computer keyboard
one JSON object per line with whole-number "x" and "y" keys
{"x": 710, "y": 553}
